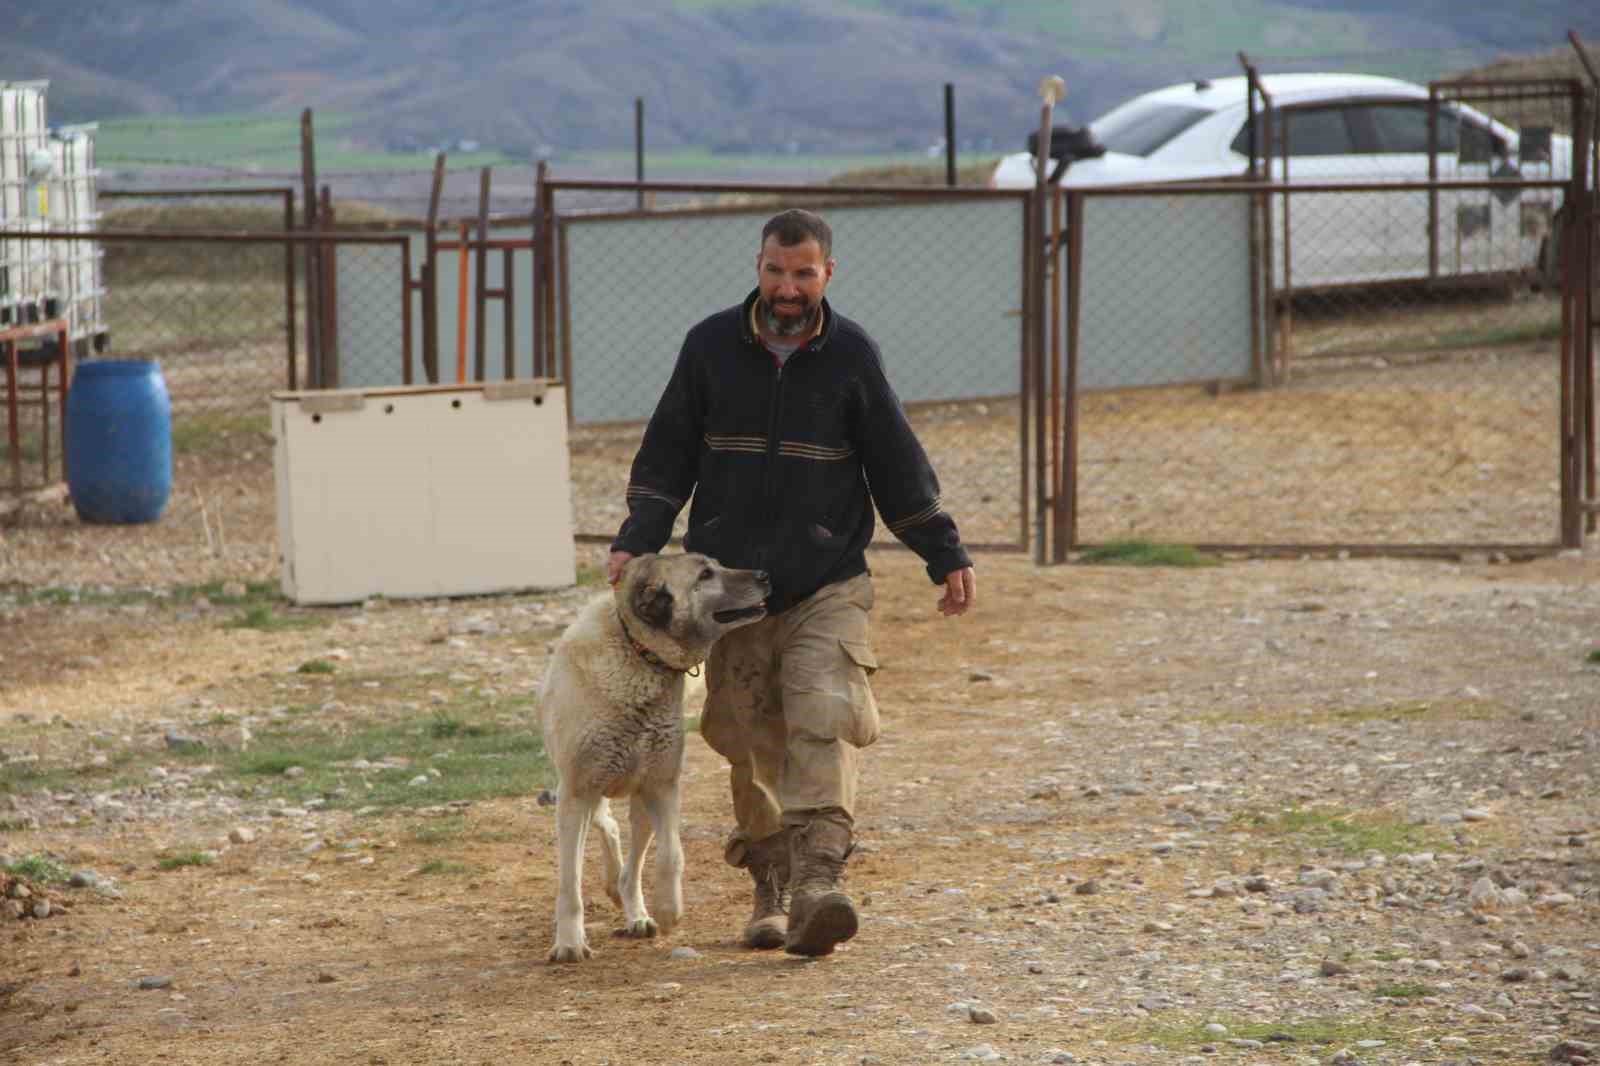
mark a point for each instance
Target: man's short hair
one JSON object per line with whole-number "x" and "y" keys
{"x": 796, "y": 226}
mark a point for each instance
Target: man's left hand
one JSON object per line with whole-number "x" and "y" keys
{"x": 960, "y": 589}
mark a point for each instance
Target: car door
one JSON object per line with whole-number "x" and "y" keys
{"x": 1477, "y": 228}
{"x": 1333, "y": 237}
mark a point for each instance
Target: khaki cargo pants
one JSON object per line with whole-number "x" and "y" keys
{"x": 789, "y": 706}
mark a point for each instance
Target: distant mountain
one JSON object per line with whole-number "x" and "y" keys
{"x": 536, "y": 76}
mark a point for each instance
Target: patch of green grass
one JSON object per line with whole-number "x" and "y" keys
{"x": 1386, "y": 955}
{"x": 1456, "y": 710}
{"x": 591, "y": 575}
{"x": 315, "y": 666}
{"x": 1593, "y": 658}
{"x": 39, "y": 869}
{"x": 444, "y": 867}
{"x": 123, "y": 769}
{"x": 1404, "y": 990}
{"x": 1345, "y": 831}
{"x": 444, "y": 726}
{"x": 270, "y": 142}
{"x": 196, "y": 434}
{"x": 264, "y": 764}
{"x": 1191, "y": 1032}
{"x": 178, "y": 860}
{"x": 438, "y": 830}
{"x": 479, "y": 756}
{"x": 1146, "y": 553}
{"x": 1545, "y": 328}
{"x": 261, "y": 616}
{"x": 219, "y": 593}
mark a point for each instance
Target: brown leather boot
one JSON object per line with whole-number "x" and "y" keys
{"x": 768, "y": 863}
{"x": 820, "y": 914}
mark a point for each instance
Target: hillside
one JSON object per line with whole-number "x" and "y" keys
{"x": 537, "y": 76}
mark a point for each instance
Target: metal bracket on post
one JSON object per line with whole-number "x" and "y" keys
{"x": 520, "y": 389}
{"x": 430, "y": 276}
{"x": 332, "y": 402}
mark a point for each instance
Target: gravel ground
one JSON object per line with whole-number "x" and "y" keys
{"x": 1274, "y": 811}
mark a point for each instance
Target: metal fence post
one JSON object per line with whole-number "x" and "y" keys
{"x": 313, "y": 253}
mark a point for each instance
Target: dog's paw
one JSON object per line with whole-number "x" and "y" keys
{"x": 570, "y": 953}
{"x": 641, "y": 929}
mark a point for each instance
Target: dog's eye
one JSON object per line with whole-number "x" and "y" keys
{"x": 707, "y": 574}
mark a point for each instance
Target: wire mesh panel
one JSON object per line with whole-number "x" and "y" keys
{"x": 1165, "y": 297}
{"x": 935, "y": 282}
{"x": 1400, "y": 411}
{"x": 369, "y": 351}
{"x": 365, "y": 345}
{"x": 213, "y": 313}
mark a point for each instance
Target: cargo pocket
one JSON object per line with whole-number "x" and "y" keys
{"x": 862, "y": 727}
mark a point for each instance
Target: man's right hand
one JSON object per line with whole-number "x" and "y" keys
{"x": 614, "y": 564}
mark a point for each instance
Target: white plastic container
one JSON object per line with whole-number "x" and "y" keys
{"x": 423, "y": 491}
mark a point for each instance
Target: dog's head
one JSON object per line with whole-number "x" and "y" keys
{"x": 680, "y": 604}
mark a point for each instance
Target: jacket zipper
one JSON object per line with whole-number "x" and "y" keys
{"x": 770, "y": 479}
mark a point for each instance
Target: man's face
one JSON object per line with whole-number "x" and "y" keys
{"x": 792, "y": 279}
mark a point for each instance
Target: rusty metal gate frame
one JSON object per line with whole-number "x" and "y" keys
{"x": 552, "y": 354}
{"x": 1576, "y": 240}
{"x": 1578, "y": 352}
{"x": 1585, "y": 248}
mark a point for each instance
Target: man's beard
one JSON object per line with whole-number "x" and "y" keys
{"x": 788, "y": 325}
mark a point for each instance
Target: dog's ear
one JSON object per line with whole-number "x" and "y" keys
{"x": 653, "y": 605}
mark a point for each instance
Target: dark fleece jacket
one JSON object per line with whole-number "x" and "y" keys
{"x": 785, "y": 463}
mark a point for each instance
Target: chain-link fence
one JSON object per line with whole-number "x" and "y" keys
{"x": 222, "y": 312}
{"x": 934, "y": 279}
{"x": 1359, "y": 391}
{"x": 1303, "y": 363}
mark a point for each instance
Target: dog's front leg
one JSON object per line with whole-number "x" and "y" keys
{"x": 666, "y": 898}
{"x": 573, "y": 814}
{"x": 636, "y": 920}
{"x": 611, "y": 850}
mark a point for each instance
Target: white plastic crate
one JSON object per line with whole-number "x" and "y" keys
{"x": 423, "y": 491}
{"x": 38, "y": 276}
{"x": 75, "y": 275}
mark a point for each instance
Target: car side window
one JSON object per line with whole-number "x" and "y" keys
{"x": 1311, "y": 130}
{"x": 1319, "y": 131}
{"x": 1403, "y": 128}
{"x": 1479, "y": 144}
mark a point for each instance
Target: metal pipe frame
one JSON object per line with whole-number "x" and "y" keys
{"x": 328, "y": 299}
{"x": 480, "y": 308}
{"x": 308, "y": 182}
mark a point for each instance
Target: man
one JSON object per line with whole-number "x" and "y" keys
{"x": 778, "y": 418}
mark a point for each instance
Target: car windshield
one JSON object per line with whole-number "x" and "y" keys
{"x": 1142, "y": 130}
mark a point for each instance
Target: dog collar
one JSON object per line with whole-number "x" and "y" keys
{"x": 651, "y": 657}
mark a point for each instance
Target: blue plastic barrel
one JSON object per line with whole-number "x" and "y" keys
{"x": 119, "y": 441}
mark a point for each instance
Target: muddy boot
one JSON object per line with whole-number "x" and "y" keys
{"x": 768, "y": 863}
{"x": 820, "y": 914}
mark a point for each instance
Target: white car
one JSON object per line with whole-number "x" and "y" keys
{"x": 1341, "y": 128}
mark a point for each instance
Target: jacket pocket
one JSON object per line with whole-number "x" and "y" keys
{"x": 823, "y": 537}
{"x": 704, "y": 538}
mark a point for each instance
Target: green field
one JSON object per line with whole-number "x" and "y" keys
{"x": 246, "y": 143}
{"x": 271, "y": 144}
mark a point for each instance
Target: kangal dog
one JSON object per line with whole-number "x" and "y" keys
{"x": 612, "y": 711}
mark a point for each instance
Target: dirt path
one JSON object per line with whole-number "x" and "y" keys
{"x": 1325, "y": 808}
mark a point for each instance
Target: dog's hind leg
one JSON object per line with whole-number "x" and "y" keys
{"x": 611, "y": 848}
{"x": 666, "y": 897}
{"x": 573, "y": 815}
{"x": 636, "y": 920}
